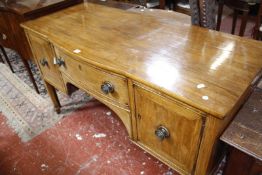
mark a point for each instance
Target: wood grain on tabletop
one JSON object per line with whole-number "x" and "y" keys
{"x": 206, "y": 69}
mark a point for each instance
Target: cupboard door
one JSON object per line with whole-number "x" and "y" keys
{"x": 168, "y": 129}
{"x": 44, "y": 56}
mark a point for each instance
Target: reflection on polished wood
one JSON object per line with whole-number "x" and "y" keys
{"x": 165, "y": 73}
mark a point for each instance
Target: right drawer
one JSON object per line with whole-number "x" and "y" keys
{"x": 168, "y": 129}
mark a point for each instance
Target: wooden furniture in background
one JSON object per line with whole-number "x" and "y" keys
{"x": 238, "y": 6}
{"x": 244, "y": 135}
{"x": 116, "y": 4}
{"x": 14, "y": 12}
{"x": 182, "y": 6}
{"x": 175, "y": 86}
{"x": 257, "y": 33}
{"x": 241, "y": 163}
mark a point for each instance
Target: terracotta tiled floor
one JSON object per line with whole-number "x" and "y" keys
{"x": 91, "y": 140}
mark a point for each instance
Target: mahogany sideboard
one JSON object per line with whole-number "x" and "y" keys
{"x": 14, "y": 12}
{"x": 175, "y": 86}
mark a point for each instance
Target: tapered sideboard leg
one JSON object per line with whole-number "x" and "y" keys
{"x": 53, "y": 95}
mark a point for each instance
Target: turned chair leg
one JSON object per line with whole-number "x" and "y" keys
{"x": 1, "y": 59}
{"x": 162, "y": 4}
{"x": 234, "y": 21}
{"x": 174, "y": 5}
{"x": 243, "y": 23}
{"x": 6, "y": 58}
{"x": 219, "y": 14}
{"x": 258, "y": 23}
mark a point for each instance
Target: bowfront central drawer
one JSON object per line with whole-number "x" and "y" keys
{"x": 109, "y": 86}
{"x": 168, "y": 129}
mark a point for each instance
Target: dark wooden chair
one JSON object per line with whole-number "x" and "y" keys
{"x": 238, "y": 6}
{"x": 182, "y": 6}
{"x": 257, "y": 34}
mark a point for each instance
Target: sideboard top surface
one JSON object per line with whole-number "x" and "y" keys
{"x": 206, "y": 69}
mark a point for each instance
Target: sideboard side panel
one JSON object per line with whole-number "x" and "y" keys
{"x": 214, "y": 127}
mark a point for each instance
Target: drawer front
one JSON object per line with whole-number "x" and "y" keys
{"x": 168, "y": 129}
{"x": 92, "y": 78}
{"x": 44, "y": 54}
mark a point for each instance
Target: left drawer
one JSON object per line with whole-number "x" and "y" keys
{"x": 44, "y": 54}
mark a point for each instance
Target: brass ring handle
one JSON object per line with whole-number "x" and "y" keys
{"x": 43, "y": 62}
{"x": 162, "y": 132}
{"x": 60, "y": 62}
{"x": 107, "y": 87}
